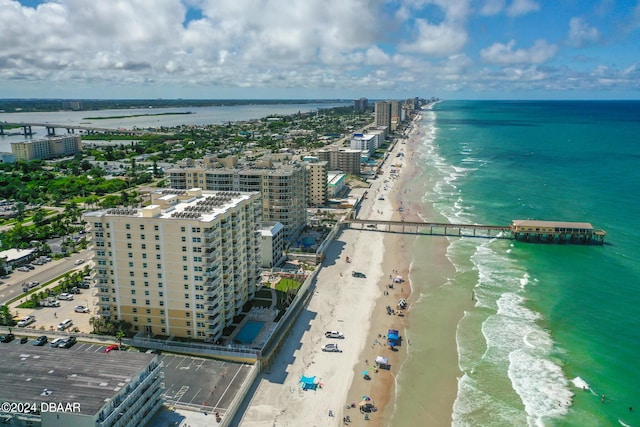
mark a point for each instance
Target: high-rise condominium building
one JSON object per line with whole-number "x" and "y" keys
{"x": 282, "y": 189}
{"x": 317, "y": 182}
{"x": 383, "y": 113}
{"x": 183, "y": 266}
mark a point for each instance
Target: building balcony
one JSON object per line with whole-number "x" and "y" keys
{"x": 213, "y": 310}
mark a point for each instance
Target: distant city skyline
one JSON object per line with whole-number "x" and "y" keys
{"x": 320, "y": 49}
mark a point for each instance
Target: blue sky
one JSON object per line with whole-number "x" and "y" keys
{"x": 452, "y": 49}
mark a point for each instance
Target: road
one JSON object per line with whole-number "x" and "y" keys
{"x": 12, "y": 286}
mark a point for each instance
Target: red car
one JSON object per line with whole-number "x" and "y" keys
{"x": 111, "y": 348}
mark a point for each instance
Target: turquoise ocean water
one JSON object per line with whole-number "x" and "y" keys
{"x": 554, "y": 327}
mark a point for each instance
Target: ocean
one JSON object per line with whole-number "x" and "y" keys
{"x": 553, "y": 336}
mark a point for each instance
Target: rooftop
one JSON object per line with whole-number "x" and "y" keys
{"x": 44, "y": 374}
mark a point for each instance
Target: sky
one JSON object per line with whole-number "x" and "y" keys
{"x": 320, "y": 49}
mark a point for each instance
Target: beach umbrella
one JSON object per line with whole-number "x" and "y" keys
{"x": 365, "y": 373}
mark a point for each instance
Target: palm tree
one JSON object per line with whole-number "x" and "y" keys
{"x": 119, "y": 336}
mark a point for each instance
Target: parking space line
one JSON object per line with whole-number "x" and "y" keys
{"x": 195, "y": 395}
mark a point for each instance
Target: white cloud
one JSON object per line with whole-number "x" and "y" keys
{"x": 442, "y": 39}
{"x": 581, "y": 34}
{"x": 492, "y": 7}
{"x": 522, "y": 7}
{"x": 499, "y": 53}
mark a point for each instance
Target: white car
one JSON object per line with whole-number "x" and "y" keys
{"x": 332, "y": 348}
{"x": 65, "y": 297}
{"x": 79, "y": 261}
{"x": 333, "y": 334}
{"x": 26, "y": 321}
{"x": 81, "y": 309}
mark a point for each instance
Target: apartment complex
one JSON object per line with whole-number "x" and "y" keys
{"x": 361, "y": 105}
{"x": 346, "y": 160}
{"x": 121, "y": 389}
{"x": 282, "y": 189}
{"x": 183, "y": 266}
{"x": 272, "y": 245}
{"x": 47, "y": 148}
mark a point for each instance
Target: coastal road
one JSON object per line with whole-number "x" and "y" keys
{"x": 12, "y": 286}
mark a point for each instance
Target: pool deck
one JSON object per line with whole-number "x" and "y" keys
{"x": 260, "y": 314}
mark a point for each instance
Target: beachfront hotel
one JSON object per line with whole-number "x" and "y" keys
{"x": 47, "y": 148}
{"x": 282, "y": 187}
{"x": 183, "y": 266}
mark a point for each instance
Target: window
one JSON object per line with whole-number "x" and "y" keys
{"x": 157, "y": 237}
{"x": 148, "y": 320}
{"x": 186, "y": 296}
{"x": 128, "y": 245}
{"x": 146, "y": 284}
{"x": 132, "y": 274}
{"x": 148, "y": 311}
{"x": 130, "y": 254}
{"x": 158, "y": 257}
{"x": 157, "y": 247}
{"x": 184, "y": 239}
{"x": 187, "y": 314}
{"x": 185, "y": 277}
{"x": 196, "y": 240}
{"x": 133, "y": 283}
{"x": 188, "y": 323}
{"x": 184, "y": 258}
{"x": 162, "y": 321}
{"x": 159, "y": 275}
{"x": 127, "y": 226}
{"x": 143, "y": 246}
{"x": 144, "y": 256}
{"x": 159, "y": 266}
{"x": 142, "y": 237}
{"x": 161, "y": 312}
{"x": 128, "y": 235}
{"x": 161, "y": 303}
{"x": 145, "y": 274}
{"x": 130, "y": 264}
{"x": 147, "y": 302}
{"x": 159, "y": 284}
{"x": 186, "y": 305}
{"x": 133, "y": 301}
{"x": 146, "y": 293}
{"x": 156, "y": 228}
{"x": 182, "y": 229}
{"x": 185, "y": 268}
{"x": 184, "y": 249}
{"x": 135, "y": 309}
{"x": 135, "y": 318}
{"x": 161, "y": 294}
{"x": 133, "y": 291}
{"x": 144, "y": 265}
{"x": 195, "y": 229}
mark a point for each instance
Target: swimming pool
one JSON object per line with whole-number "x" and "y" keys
{"x": 249, "y": 331}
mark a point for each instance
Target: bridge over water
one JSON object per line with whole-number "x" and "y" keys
{"x": 51, "y": 129}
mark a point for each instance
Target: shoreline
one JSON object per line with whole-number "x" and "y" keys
{"x": 357, "y": 308}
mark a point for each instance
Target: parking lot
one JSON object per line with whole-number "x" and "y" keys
{"x": 202, "y": 385}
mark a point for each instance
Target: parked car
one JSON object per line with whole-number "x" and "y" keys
{"x": 56, "y": 342}
{"x": 81, "y": 309}
{"x": 84, "y": 285}
{"x": 40, "y": 341}
{"x": 25, "y": 269}
{"x": 7, "y": 337}
{"x": 65, "y": 296}
{"x": 49, "y": 302}
{"x": 332, "y": 348}
{"x": 67, "y": 342}
{"x": 79, "y": 261}
{"x": 74, "y": 290}
{"x": 111, "y": 348}
{"x": 333, "y": 334}
{"x": 65, "y": 324}
{"x": 358, "y": 274}
{"x": 26, "y": 321}
{"x": 24, "y": 340}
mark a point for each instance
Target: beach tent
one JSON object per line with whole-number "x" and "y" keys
{"x": 393, "y": 337}
{"x": 398, "y": 279}
{"x": 309, "y": 383}
{"x": 382, "y": 362}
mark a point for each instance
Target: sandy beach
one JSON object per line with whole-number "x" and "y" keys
{"x": 357, "y": 308}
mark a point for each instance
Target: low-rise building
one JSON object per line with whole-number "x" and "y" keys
{"x": 45, "y": 388}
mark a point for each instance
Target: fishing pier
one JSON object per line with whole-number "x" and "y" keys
{"x": 533, "y": 231}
